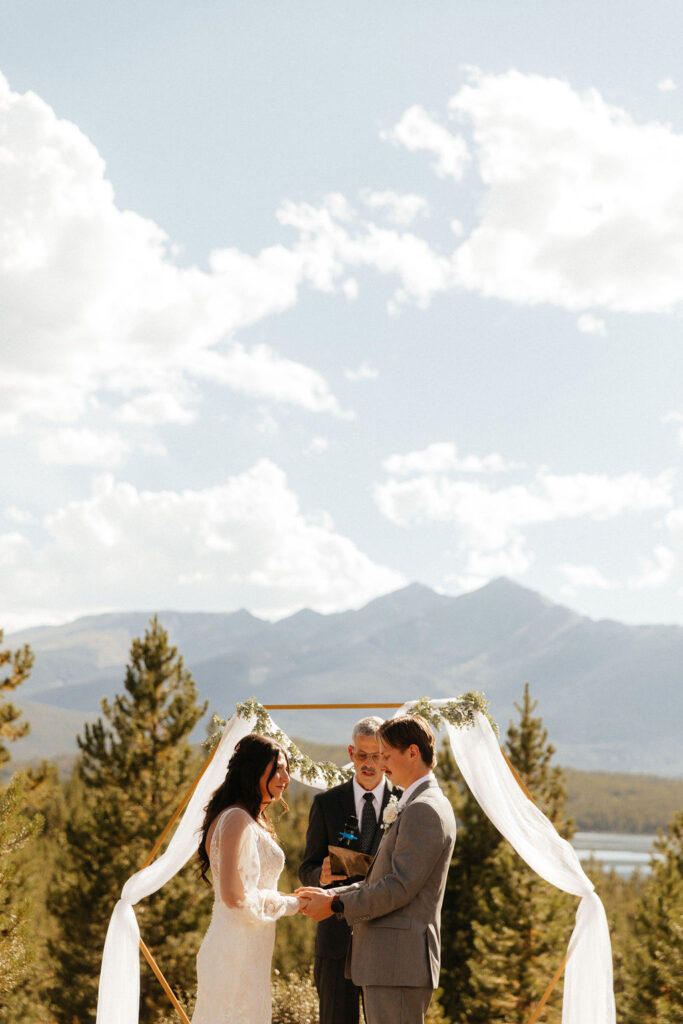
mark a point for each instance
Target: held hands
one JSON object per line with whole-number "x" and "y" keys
{"x": 303, "y": 901}
{"x": 315, "y": 903}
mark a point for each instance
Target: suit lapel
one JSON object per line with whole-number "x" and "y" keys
{"x": 388, "y": 793}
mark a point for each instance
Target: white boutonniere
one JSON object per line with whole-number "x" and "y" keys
{"x": 391, "y": 812}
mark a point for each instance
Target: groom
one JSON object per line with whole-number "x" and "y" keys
{"x": 395, "y": 912}
{"x": 365, "y": 796}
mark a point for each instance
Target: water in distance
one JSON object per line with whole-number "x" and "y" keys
{"x": 620, "y": 851}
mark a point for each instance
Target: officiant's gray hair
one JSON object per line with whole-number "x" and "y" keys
{"x": 367, "y": 727}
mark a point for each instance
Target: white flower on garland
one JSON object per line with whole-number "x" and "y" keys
{"x": 391, "y": 812}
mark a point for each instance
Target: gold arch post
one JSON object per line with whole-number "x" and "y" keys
{"x": 181, "y": 806}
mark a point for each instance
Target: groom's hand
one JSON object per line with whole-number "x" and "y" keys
{"x": 319, "y": 905}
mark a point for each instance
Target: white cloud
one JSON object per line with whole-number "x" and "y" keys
{"x": 400, "y": 208}
{"x": 667, "y": 85}
{"x": 418, "y": 131}
{"x": 92, "y": 299}
{"x": 19, "y": 516}
{"x": 244, "y": 543}
{"x": 656, "y": 571}
{"x": 589, "y": 324}
{"x": 261, "y": 372}
{"x": 317, "y": 446}
{"x": 443, "y": 457}
{"x": 156, "y": 408}
{"x": 665, "y": 565}
{"x": 482, "y": 566}
{"x": 492, "y": 522}
{"x": 70, "y": 446}
{"x": 677, "y": 418}
{"x": 583, "y": 577}
{"x": 350, "y": 289}
{"x": 363, "y": 372}
{"x": 266, "y": 423}
{"x": 329, "y": 246}
{"x": 583, "y": 205}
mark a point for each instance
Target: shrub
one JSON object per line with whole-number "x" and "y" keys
{"x": 295, "y": 1000}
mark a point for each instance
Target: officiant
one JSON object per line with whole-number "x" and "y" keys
{"x": 364, "y": 797}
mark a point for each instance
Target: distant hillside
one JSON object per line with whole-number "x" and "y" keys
{"x": 609, "y": 694}
{"x": 53, "y": 732}
{"x": 616, "y": 802}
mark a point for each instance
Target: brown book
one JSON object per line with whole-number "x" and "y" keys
{"x": 350, "y": 863}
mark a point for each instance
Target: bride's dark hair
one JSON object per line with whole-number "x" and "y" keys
{"x": 252, "y": 755}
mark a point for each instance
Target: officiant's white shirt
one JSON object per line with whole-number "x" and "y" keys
{"x": 359, "y": 793}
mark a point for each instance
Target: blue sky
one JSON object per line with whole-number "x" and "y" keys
{"x": 304, "y": 302}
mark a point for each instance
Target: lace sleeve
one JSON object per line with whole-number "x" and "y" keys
{"x": 235, "y": 859}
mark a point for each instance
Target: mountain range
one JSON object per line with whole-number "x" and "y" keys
{"x": 609, "y": 693}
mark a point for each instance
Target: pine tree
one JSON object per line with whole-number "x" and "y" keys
{"x": 17, "y": 949}
{"x": 20, "y": 663}
{"x": 16, "y": 952}
{"x": 505, "y": 929}
{"x": 521, "y": 932}
{"x": 654, "y": 982}
{"x": 530, "y": 753}
{"x": 44, "y": 799}
{"x": 136, "y": 763}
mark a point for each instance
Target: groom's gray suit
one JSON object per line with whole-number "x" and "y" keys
{"x": 395, "y": 913}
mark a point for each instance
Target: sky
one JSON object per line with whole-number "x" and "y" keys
{"x": 303, "y": 302}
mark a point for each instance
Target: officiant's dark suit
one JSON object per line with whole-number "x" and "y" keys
{"x": 330, "y": 811}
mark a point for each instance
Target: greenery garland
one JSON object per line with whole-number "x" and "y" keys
{"x": 459, "y": 712}
{"x": 307, "y": 769}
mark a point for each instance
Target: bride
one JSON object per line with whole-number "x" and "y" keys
{"x": 238, "y": 843}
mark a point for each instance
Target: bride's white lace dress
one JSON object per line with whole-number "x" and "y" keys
{"x": 233, "y": 963}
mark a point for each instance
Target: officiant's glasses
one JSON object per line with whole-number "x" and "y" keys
{"x": 359, "y": 755}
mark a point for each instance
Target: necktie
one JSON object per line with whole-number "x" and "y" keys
{"x": 368, "y": 823}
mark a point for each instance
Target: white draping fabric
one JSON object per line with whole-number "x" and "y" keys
{"x": 588, "y": 985}
{"x": 119, "y": 991}
{"x": 588, "y": 988}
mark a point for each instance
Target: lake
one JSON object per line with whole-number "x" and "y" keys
{"x": 620, "y": 851}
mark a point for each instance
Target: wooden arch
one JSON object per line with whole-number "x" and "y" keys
{"x": 181, "y": 807}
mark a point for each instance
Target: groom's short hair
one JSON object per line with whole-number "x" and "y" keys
{"x": 402, "y": 732}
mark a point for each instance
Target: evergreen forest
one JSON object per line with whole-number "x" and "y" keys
{"x": 67, "y": 845}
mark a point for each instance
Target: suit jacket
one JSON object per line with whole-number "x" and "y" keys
{"x": 395, "y": 912}
{"x": 329, "y": 813}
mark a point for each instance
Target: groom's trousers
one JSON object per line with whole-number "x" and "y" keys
{"x": 393, "y": 1005}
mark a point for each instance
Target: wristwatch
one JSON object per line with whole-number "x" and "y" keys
{"x": 337, "y": 908}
